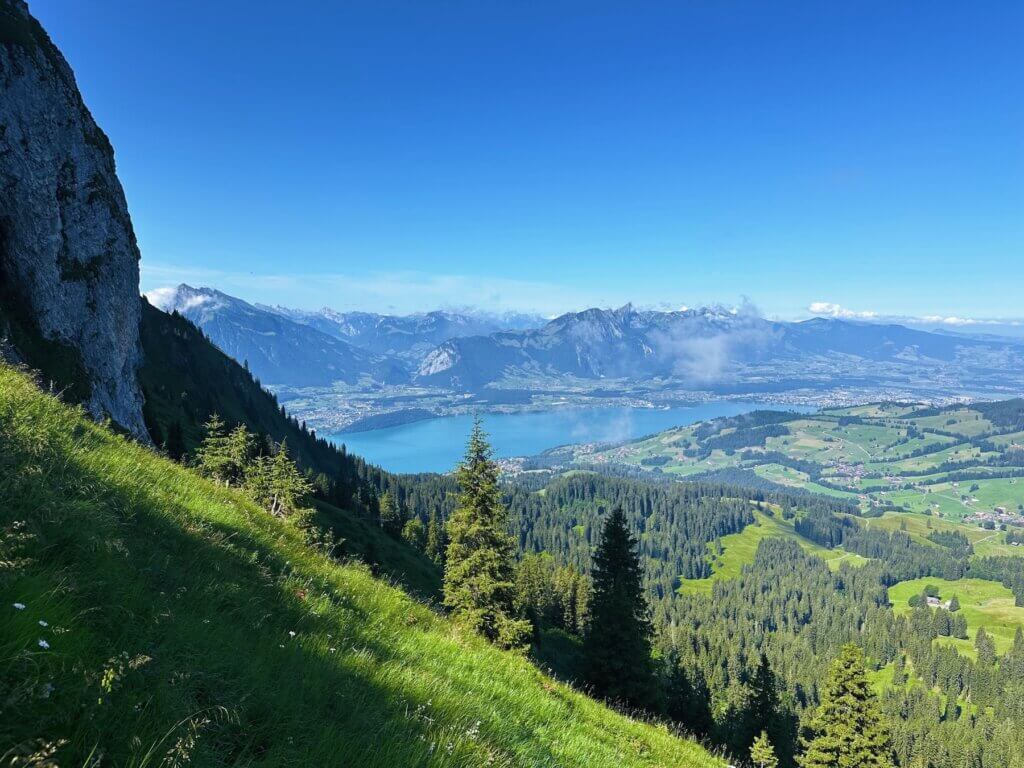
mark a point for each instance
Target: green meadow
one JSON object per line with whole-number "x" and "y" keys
{"x": 738, "y": 549}
{"x": 149, "y": 617}
{"x": 983, "y": 603}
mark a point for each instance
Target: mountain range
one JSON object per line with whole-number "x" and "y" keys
{"x": 703, "y": 348}
{"x": 407, "y": 337}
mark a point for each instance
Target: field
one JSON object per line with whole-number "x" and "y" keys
{"x": 986, "y": 543}
{"x": 983, "y": 603}
{"x": 738, "y": 549}
{"x": 150, "y": 617}
{"x": 961, "y": 466}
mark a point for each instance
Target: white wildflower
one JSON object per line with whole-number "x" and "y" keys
{"x": 43, "y": 623}
{"x": 291, "y": 632}
{"x": 44, "y": 645}
{"x": 19, "y": 606}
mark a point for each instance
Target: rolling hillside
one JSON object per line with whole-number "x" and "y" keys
{"x": 148, "y": 617}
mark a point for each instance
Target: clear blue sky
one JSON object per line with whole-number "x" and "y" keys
{"x": 547, "y": 155}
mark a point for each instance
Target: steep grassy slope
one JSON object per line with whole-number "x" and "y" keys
{"x": 153, "y": 618}
{"x": 363, "y": 539}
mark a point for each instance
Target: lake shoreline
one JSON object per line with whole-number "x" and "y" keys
{"x": 435, "y": 443}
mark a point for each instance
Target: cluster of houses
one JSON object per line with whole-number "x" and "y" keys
{"x": 998, "y": 517}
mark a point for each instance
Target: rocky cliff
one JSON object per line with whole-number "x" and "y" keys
{"x": 69, "y": 272}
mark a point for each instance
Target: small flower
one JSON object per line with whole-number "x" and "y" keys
{"x": 332, "y": 650}
{"x": 43, "y": 623}
{"x": 19, "y": 606}
{"x": 44, "y": 645}
{"x": 291, "y": 633}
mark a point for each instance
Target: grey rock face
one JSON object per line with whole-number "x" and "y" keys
{"x": 67, "y": 247}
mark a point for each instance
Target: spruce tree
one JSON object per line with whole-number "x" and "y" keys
{"x": 847, "y": 730}
{"x": 617, "y": 645}
{"x": 213, "y": 457}
{"x": 437, "y": 539}
{"x": 765, "y": 713}
{"x": 391, "y": 518}
{"x": 479, "y": 573}
{"x": 415, "y": 533}
{"x": 761, "y": 753}
{"x": 276, "y": 483}
{"x": 223, "y": 456}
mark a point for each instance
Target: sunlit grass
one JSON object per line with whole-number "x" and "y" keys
{"x": 183, "y": 625}
{"x": 983, "y": 603}
{"x": 739, "y": 549}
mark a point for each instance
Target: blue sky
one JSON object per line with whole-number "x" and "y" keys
{"x": 551, "y": 155}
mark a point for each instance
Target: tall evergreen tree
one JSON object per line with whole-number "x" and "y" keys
{"x": 213, "y": 457}
{"x": 437, "y": 539}
{"x": 847, "y": 729}
{"x": 766, "y": 714}
{"x": 761, "y": 753}
{"x": 391, "y": 518}
{"x": 617, "y": 645}
{"x": 479, "y": 574}
{"x": 415, "y": 533}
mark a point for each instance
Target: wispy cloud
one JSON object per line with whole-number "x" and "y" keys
{"x": 374, "y": 291}
{"x": 707, "y": 357}
{"x": 829, "y": 309}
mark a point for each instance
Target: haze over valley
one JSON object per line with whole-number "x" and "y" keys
{"x": 356, "y": 371}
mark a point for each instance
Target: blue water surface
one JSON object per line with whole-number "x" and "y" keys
{"x": 436, "y": 445}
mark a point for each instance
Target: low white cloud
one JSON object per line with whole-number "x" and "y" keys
{"x": 167, "y": 297}
{"x": 161, "y": 298}
{"x": 828, "y": 309}
{"x": 953, "y": 320}
{"x": 706, "y": 355}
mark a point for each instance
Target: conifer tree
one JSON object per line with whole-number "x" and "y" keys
{"x": 224, "y": 456}
{"x": 985, "y": 647}
{"x": 766, "y": 714}
{"x": 437, "y": 539}
{"x": 847, "y": 730}
{"x": 275, "y": 483}
{"x": 391, "y": 518}
{"x": 415, "y": 533}
{"x": 617, "y": 646}
{"x": 213, "y": 457}
{"x": 479, "y": 572}
{"x": 762, "y": 755}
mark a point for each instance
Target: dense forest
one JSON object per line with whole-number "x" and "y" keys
{"x": 783, "y": 619}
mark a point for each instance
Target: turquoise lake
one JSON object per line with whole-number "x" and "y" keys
{"x": 436, "y": 445}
